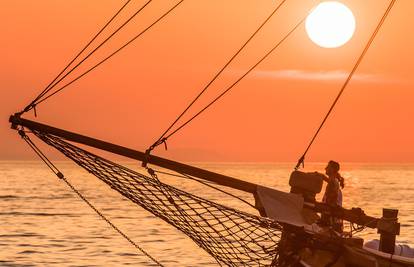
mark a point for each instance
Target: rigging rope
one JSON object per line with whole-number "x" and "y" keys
{"x": 110, "y": 223}
{"x": 236, "y": 82}
{"x": 370, "y": 41}
{"x": 76, "y": 57}
{"x": 106, "y": 58}
{"x": 91, "y": 53}
{"x": 60, "y": 175}
{"x": 161, "y": 138}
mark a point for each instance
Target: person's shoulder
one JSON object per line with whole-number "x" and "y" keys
{"x": 324, "y": 177}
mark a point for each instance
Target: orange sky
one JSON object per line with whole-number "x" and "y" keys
{"x": 270, "y": 116}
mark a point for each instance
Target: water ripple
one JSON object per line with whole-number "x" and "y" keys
{"x": 16, "y": 213}
{"x": 21, "y": 235}
{"x": 30, "y": 252}
{"x": 9, "y": 197}
{"x": 12, "y": 264}
{"x": 47, "y": 226}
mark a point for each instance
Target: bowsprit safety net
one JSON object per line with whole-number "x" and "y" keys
{"x": 232, "y": 237}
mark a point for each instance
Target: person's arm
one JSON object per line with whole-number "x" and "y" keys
{"x": 325, "y": 178}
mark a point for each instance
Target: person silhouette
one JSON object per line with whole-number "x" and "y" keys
{"x": 333, "y": 194}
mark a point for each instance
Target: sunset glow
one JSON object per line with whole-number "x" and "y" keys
{"x": 331, "y": 24}
{"x": 205, "y": 133}
{"x": 269, "y": 116}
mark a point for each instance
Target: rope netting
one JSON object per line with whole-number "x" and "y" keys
{"x": 232, "y": 237}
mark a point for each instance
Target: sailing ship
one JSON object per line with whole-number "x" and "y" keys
{"x": 285, "y": 232}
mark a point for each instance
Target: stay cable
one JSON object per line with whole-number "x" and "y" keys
{"x": 77, "y": 56}
{"x": 111, "y": 55}
{"x": 159, "y": 141}
{"x": 357, "y": 63}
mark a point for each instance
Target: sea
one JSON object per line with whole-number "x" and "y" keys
{"x": 43, "y": 223}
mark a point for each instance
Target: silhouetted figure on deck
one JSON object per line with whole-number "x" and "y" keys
{"x": 333, "y": 194}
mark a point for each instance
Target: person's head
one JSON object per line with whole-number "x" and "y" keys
{"x": 332, "y": 170}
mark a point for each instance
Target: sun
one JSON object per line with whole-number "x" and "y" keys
{"x": 331, "y": 24}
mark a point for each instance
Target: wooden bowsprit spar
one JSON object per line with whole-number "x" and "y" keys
{"x": 352, "y": 215}
{"x": 137, "y": 155}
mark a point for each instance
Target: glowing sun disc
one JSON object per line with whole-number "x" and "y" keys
{"x": 330, "y": 24}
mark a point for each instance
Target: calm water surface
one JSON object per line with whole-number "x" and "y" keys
{"x": 42, "y": 223}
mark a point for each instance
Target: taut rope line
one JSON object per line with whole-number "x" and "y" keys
{"x": 76, "y": 57}
{"x": 106, "y": 58}
{"x": 164, "y": 139}
{"x": 236, "y": 82}
{"x": 161, "y": 138}
{"x": 370, "y": 41}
